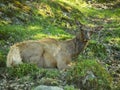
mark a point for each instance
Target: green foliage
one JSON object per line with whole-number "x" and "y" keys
{"x": 48, "y": 73}
{"x": 52, "y": 73}
{"x": 47, "y": 76}
{"x": 22, "y": 70}
{"x": 89, "y": 74}
{"x": 67, "y": 87}
{"x": 96, "y": 50}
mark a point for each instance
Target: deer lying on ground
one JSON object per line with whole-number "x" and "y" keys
{"x": 50, "y": 53}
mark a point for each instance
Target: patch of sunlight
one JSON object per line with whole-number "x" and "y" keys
{"x": 45, "y": 10}
{"x": 34, "y": 27}
{"x": 115, "y": 40}
{"x": 115, "y": 17}
{"x": 39, "y": 36}
{"x": 61, "y": 37}
{"x": 64, "y": 37}
{"x": 55, "y": 37}
{"x": 3, "y": 22}
{"x": 76, "y": 3}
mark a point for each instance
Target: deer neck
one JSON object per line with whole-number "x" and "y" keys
{"x": 75, "y": 46}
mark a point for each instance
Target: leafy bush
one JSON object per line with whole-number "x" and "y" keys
{"x": 22, "y": 70}
{"x": 89, "y": 74}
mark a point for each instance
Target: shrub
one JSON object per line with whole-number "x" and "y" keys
{"x": 89, "y": 74}
{"x": 22, "y": 70}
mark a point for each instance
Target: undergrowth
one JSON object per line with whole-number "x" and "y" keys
{"x": 22, "y": 70}
{"x": 89, "y": 74}
{"x": 84, "y": 74}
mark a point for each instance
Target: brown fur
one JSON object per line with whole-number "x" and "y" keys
{"x": 48, "y": 53}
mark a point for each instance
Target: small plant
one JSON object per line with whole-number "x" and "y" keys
{"x": 67, "y": 87}
{"x": 89, "y": 74}
{"x": 52, "y": 73}
{"x": 22, "y": 70}
{"x": 48, "y": 73}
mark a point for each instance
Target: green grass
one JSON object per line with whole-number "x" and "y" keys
{"x": 22, "y": 70}
{"x": 89, "y": 74}
{"x": 56, "y": 19}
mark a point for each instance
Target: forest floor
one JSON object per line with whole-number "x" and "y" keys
{"x": 38, "y": 19}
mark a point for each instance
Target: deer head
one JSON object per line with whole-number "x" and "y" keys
{"x": 86, "y": 31}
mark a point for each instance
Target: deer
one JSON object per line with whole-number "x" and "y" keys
{"x": 49, "y": 52}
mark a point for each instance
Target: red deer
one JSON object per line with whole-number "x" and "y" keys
{"x": 50, "y": 53}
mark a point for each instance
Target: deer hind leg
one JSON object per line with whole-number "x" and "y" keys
{"x": 62, "y": 63}
{"x": 37, "y": 60}
{"x": 33, "y": 56}
{"x": 49, "y": 60}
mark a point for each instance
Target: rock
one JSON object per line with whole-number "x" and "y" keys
{"x": 43, "y": 87}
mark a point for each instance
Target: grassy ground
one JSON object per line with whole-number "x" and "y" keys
{"x": 38, "y": 19}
